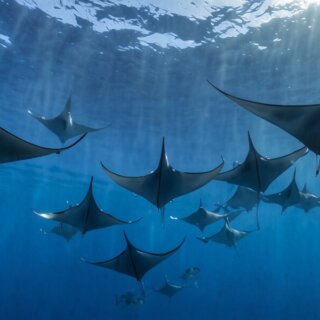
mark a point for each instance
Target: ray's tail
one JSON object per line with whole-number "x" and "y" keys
{"x": 162, "y": 213}
{"x": 142, "y": 289}
{"x": 257, "y": 210}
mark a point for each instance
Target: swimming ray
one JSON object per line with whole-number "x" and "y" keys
{"x": 164, "y": 183}
{"x": 301, "y": 121}
{"x": 227, "y": 236}
{"x": 86, "y": 215}
{"x": 135, "y": 262}
{"x": 244, "y": 198}
{"x": 202, "y": 217}
{"x": 170, "y": 289}
{"x": 13, "y": 148}
{"x": 258, "y": 172}
{"x": 63, "y": 125}
{"x": 130, "y": 299}
{"x": 190, "y": 273}
{"x": 290, "y": 196}
{"x": 65, "y": 231}
{"x": 307, "y": 200}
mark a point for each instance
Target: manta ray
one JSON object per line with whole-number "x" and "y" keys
{"x": 307, "y": 200}
{"x": 202, "y": 217}
{"x": 65, "y": 231}
{"x": 244, "y": 198}
{"x": 170, "y": 289}
{"x": 258, "y": 172}
{"x": 85, "y": 216}
{"x": 301, "y": 121}
{"x": 63, "y": 125}
{"x": 227, "y": 236}
{"x": 130, "y": 299}
{"x": 135, "y": 262}
{"x": 190, "y": 273}
{"x": 290, "y": 196}
{"x": 164, "y": 183}
{"x": 13, "y": 148}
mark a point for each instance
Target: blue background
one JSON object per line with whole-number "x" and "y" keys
{"x": 148, "y": 94}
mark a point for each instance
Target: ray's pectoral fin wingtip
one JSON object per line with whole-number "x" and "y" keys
{"x": 204, "y": 240}
{"x": 72, "y": 144}
{"x": 134, "y": 221}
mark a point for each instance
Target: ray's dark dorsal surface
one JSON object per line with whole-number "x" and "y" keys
{"x": 190, "y": 273}
{"x": 290, "y": 196}
{"x": 13, "y": 148}
{"x": 164, "y": 183}
{"x": 64, "y": 231}
{"x": 301, "y": 121}
{"x": 170, "y": 289}
{"x": 86, "y": 215}
{"x": 258, "y": 172}
{"x": 130, "y": 299}
{"x": 202, "y": 217}
{"x": 227, "y": 236}
{"x": 244, "y": 198}
{"x": 135, "y": 262}
{"x": 307, "y": 200}
{"x": 63, "y": 125}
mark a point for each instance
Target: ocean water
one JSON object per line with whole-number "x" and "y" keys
{"x": 143, "y": 67}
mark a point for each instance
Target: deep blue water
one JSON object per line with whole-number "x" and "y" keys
{"x": 147, "y": 94}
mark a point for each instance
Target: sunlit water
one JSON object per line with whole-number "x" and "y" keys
{"x": 143, "y": 67}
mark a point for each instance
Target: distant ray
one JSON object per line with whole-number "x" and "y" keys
{"x": 85, "y": 216}
{"x": 164, "y": 183}
{"x": 243, "y": 198}
{"x": 290, "y": 196}
{"x": 308, "y": 200}
{"x": 13, "y": 148}
{"x": 63, "y": 125}
{"x": 203, "y": 217}
{"x": 301, "y": 121}
{"x": 135, "y": 262}
{"x": 65, "y": 231}
{"x": 190, "y": 273}
{"x": 170, "y": 289}
{"x": 130, "y": 299}
{"x": 227, "y": 236}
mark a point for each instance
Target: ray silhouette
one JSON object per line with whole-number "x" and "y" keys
{"x": 135, "y": 262}
{"x": 64, "y": 231}
{"x": 63, "y": 125}
{"x": 227, "y": 236}
{"x": 202, "y": 217}
{"x": 258, "y": 172}
{"x": 130, "y": 299}
{"x": 170, "y": 289}
{"x": 164, "y": 183}
{"x": 13, "y": 148}
{"x": 290, "y": 196}
{"x": 244, "y": 198}
{"x": 307, "y": 200}
{"x": 190, "y": 273}
{"x": 301, "y": 121}
{"x": 85, "y": 216}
